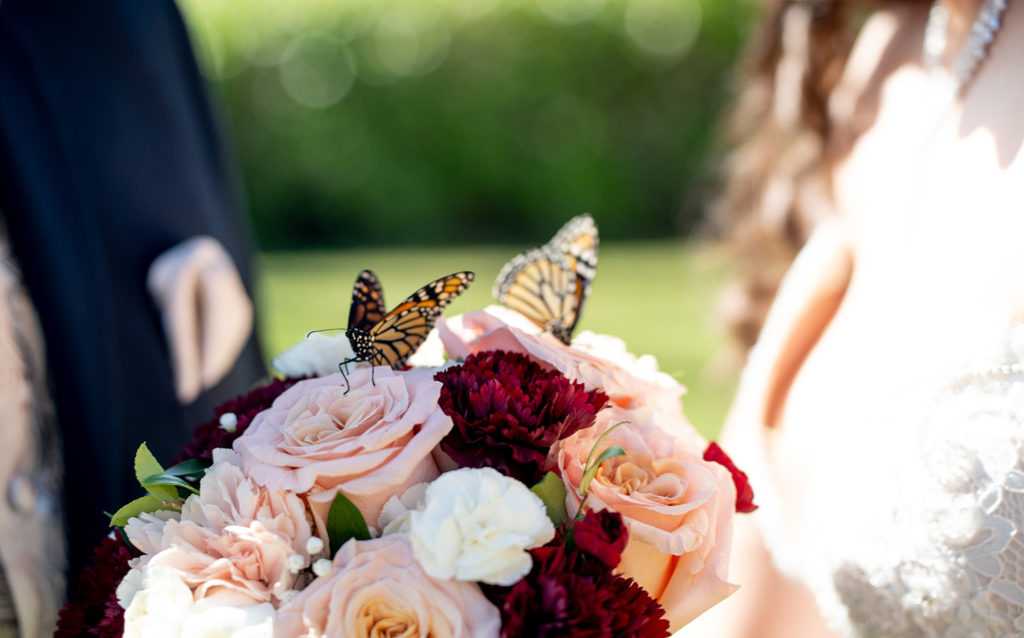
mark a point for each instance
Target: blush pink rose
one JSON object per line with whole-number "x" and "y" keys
{"x": 597, "y": 361}
{"x": 376, "y": 588}
{"x": 233, "y": 539}
{"x": 677, "y": 507}
{"x": 370, "y": 443}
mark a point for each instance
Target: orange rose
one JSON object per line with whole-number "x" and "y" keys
{"x": 678, "y": 508}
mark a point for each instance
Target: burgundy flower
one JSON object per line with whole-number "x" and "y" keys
{"x": 96, "y": 611}
{"x": 744, "y": 493}
{"x": 211, "y": 435}
{"x": 567, "y": 595}
{"x": 602, "y": 535}
{"x": 508, "y": 411}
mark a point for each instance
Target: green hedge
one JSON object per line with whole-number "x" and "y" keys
{"x": 442, "y": 121}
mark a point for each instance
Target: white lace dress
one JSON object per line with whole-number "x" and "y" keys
{"x": 917, "y": 528}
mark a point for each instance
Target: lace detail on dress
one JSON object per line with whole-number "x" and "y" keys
{"x": 943, "y": 555}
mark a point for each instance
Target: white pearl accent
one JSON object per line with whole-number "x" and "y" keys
{"x": 323, "y": 567}
{"x": 228, "y": 422}
{"x": 295, "y": 563}
{"x": 314, "y": 545}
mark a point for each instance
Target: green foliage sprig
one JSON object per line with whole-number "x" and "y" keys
{"x": 163, "y": 486}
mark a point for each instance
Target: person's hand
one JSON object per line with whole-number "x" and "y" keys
{"x": 206, "y": 313}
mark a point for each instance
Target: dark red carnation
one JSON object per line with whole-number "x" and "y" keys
{"x": 602, "y": 535}
{"x": 509, "y": 411}
{"x": 96, "y": 611}
{"x": 211, "y": 435}
{"x": 744, "y": 493}
{"x": 567, "y": 595}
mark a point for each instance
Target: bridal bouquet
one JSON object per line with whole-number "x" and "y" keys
{"x": 483, "y": 475}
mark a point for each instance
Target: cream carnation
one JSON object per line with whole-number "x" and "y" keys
{"x": 597, "y": 361}
{"x": 378, "y": 589}
{"x": 234, "y": 536}
{"x": 476, "y": 524}
{"x": 369, "y": 442}
{"x": 677, "y": 507}
{"x": 317, "y": 355}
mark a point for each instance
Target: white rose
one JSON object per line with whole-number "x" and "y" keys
{"x": 318, "y": 355}
{"x": 476, "y": 525}
{"x": 213, "y": 618}
{"x": 430, "y": 353}
{"x": 159, "y": 602}
{"x": 644, "y": 367}
{"x": 162, "y": 606}
{"x": 130, "y": 585}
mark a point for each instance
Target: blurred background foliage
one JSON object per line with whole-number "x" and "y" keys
{"x": 383, "y": 122}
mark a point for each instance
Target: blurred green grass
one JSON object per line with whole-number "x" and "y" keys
{"x": 658, "y": 296}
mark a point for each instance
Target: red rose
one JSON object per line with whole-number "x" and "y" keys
{"x": 601, "y": 534}
{"x": 744, "y": 493}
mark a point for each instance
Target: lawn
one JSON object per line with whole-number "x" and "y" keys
{"x": 659, "y": 297}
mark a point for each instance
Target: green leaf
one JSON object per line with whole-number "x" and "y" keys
{"x": 162, "y": 480}
{"x": 600, "y": 439}
{"x": 146, "y": 464}
{"x": 591, "y": 470}
{"x": 345, "y": 521}
{"x": 590, "y": 467}
{"x": 192, "y": 468}
{"x": 552, "y": 492}
{"x": 139, "y": 506}
{"x": 161, "y": 491}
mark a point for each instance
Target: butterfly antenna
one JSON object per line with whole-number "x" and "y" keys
{"x": 322, "y": 330}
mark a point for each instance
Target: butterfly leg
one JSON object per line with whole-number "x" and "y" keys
{"x": 343, "y": 368}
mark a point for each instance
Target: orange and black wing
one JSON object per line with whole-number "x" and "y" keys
{"x": 401, "y": 332}
{"x": 367, "y": 302}
{"x": 549, "y": 284}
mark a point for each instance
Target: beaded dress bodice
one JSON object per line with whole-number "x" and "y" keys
{"x": 917, "y": 529}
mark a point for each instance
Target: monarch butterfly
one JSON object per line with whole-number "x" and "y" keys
{"x": 390, "y": 339}
{"x": 549, "y": 284}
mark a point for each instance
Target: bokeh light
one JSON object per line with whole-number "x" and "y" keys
{"x": 361, "y": 122}
{"x": 317, "y": 70}
{"x": 663, "y": 29}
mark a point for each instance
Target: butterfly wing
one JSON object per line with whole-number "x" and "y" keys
{"x": 367, "y": 307}
{"x": 549, "y": 285}
{"x": 539, "y": 285}
{"x": 401, "y": 332}
{"x": 577, "y": 241}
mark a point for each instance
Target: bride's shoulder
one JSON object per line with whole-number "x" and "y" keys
{"x": 885, "y": 42}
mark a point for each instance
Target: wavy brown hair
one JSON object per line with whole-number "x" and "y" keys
{"x": 778, "y": 175}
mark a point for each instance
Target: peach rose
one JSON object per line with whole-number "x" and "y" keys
{"x": 370, "y": 443}
{"x": 597, "y": 361}
{"x": 234, "y": 538}
{"x": 377, "y": 588}
{"x": 678, "y": 508}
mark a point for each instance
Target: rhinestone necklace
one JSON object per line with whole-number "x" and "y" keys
{"x": 982, "y": 33}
